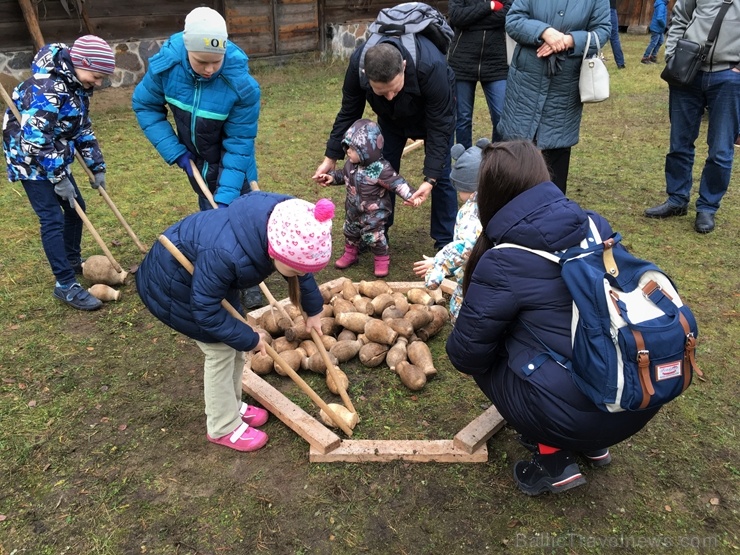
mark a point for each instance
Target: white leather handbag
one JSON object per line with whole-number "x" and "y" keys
{"x": 593, "y": 82}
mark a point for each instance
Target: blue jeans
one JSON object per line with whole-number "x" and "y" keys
{"x": 61, "y": 230}
{"x": 494, "y": 92}
{"x": 656, "y": 39}
{"x": 719, "y": 94}
{"x": 444, "y": 196}
{"x": 614, "y": 39}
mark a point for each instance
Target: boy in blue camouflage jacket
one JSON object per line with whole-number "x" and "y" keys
{"x": 54, "y": 104}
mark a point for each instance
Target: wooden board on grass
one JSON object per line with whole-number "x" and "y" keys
{"x": 468, "y": 445}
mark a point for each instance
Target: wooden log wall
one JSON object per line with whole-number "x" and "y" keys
{"x": 113, "y": 20}
{"x": 273, "y": 27}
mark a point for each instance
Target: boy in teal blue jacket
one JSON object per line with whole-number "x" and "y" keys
{"x": 204, "y": 80}
{"x": 657, "y": 29}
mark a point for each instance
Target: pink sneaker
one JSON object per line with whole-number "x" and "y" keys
{"x": 254, "y": 416}
{"x": 243, "y": 438}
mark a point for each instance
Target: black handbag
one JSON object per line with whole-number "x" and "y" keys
{"x": 681, "y": 68}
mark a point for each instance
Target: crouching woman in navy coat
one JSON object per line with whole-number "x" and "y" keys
{"x": 231, "y": 249}
{"x": 509, "y": 290}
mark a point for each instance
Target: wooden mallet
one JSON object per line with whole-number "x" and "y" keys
{"x": 175, "y": 252}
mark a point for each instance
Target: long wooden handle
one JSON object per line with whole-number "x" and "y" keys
{"x": 319, "y": 345}
{"x": 174, "y": 251}
{"x": 202, "y": 184}
{"x": 109, "y": 202}
{"x": 103, "y": 193}
{"x": 331, "y": 369}
{"x": 98, "y": 239}
{"x": 271, "y": 300}
{"x": 78, "y": 208}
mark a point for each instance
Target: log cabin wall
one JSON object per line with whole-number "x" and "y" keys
{"x": 136, "y": 29}
{"x": 113, "y": 20}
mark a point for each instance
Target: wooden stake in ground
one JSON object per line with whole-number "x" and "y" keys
{"x": 175, "y": 252}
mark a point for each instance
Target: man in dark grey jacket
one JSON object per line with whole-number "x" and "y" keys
{"x": 716, "y": 89}
{"x": 413, "y": 99}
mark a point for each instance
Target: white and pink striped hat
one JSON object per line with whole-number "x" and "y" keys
{"x": 93, "y": 54}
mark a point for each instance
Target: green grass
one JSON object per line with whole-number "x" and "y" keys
{"x": 102, "y": 446}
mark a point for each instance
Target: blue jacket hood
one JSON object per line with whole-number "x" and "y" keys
{"x": 540, "y": 218}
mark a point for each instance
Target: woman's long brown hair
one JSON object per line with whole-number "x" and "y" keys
{"x": 507, "y": 170}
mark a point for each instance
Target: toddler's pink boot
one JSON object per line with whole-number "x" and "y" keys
{"x": 244, "y": 438}
{"x": 381, "y": 265}
{"x": 349, "y": 257}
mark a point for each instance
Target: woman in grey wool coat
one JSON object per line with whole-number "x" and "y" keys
{"x": 542, "y": 101}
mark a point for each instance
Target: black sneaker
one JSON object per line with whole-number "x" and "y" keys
{"x": 77, "y": 297}
{"x": 251, "y": 298}
{"x": 600, "y": 457}
{"x": 554, "y": 473}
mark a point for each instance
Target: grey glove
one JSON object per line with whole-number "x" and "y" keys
{"x": 99, "y": 181}
{"x": 66, "y": 190}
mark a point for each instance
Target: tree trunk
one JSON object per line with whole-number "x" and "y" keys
{"x": 32, "y": 22}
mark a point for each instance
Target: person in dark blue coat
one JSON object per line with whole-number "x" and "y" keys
{"x": 505, "y": 290}
{"x": 231, "y": 249}
{"x": 413, "y": 99}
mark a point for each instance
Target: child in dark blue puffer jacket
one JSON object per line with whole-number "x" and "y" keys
{"x": 230, "y": 249}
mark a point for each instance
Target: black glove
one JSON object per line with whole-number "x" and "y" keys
{"x": 66, "y": 190}
{"x": 99, "y": 181}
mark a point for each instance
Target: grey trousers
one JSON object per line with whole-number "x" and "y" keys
{"x": 222, "y": 387}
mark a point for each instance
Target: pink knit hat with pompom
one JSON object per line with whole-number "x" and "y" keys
{"x": 299, "y": 234}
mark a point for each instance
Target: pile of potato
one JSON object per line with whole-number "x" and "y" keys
{"x": 366, "y": 320}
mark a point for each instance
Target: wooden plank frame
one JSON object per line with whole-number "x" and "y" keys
{"x": 467, "y": 446}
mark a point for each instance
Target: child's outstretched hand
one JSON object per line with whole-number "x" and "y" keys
{"x": 324, "y": 179}
{"x": 422, "y": 266}
{"x": 413, "y": 202}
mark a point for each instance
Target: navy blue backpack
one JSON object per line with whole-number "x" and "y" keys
{"x": 634, "y": 340}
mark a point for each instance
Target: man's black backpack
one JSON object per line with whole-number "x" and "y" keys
{"x": 405, "y": 21}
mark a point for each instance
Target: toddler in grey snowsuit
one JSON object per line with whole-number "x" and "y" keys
{"x": 370, "y": 179}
